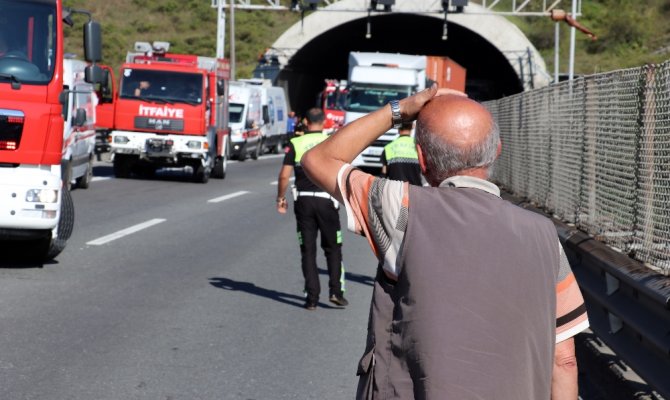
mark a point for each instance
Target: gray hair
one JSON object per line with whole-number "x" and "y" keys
{"x": 444, "y": 159}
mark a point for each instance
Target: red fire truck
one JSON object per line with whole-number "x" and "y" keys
{"x": 171, "y": 110}
{"x": 34, "y": 103}
{"x": 331, "y": 101}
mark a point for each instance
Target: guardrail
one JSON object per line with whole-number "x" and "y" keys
{"x": 628, "y": 304}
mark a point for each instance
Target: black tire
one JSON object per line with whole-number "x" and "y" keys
{"x": 200, "y": 173}
{"x": 65, "y": 227}
{"x": 220, "y": 167}
{"x": 66, "y": 175}
{"x": 257, "y": 152}
{"x": 243, "y": 154}
{"x": 84, "y": 181}
{"x": 122, "y": 166}
{"x": 278, "y": 148}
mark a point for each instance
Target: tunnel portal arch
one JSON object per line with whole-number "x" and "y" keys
{"x": 492, "y": 49}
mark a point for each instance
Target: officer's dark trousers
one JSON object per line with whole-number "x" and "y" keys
{"x": 313, "y": 215}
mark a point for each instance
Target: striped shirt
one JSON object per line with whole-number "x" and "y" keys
{"x": 378, "y": 208}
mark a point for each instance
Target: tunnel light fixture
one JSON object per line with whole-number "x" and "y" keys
{"x": 312, "y": 4}
{"x": 368, "y": 32}
{"x": 386, "y": 4}
{"x": 457, "y": 5}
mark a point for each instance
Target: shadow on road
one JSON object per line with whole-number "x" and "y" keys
{"x": 351, "y": 277}
{"x": 248, "y": 287}
{"x": 20, "y": 254}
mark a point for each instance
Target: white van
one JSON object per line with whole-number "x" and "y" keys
{"x": 79, "y": 128}
{"x": 274, "y": 115}
{"x": 244, "y": 108}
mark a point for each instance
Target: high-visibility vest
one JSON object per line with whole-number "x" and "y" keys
{"x": 305, "y": 142}
{"x": 403, "y": 147}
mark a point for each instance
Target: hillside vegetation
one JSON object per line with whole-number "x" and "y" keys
{"x": 630, "y": 33}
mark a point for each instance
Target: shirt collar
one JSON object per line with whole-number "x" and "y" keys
{"x": 462, "y": 181}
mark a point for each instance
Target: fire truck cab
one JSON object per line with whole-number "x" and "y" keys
{"x": 171, "y": 110}
{"x": 34, "y": 103}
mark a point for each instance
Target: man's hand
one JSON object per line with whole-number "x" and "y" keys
{"x": 282, "y": 205}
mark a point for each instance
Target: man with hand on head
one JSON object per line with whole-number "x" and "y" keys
{"x": 474, "y": 297}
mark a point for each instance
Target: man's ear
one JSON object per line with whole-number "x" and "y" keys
{"x": 499, "y": 149}
{"x": 422, "y": 161}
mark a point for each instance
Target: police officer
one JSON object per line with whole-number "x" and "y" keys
{"x": 315, "y": 211}
{"x": 400, "y": 160}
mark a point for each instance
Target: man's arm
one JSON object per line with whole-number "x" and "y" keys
{"x": 282, "y": 184}
{"x": 323, "y": 162}
{"x": 564, "y": 377}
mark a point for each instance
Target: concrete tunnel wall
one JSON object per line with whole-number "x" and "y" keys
{"x": 318, "y": 48}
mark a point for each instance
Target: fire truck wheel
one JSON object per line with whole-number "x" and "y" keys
{"x": 121, "y": 166}
{"x": 85, "y": 181}
{"x": 65, "y": 226}
{"x": 220, "y": 167}
{"x": 200, "y": 173}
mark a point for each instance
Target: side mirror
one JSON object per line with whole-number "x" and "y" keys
{"x": 220, "y": 87}
{"x": 79, "y": 117}
{"x": 250, "y": 124}
{"x": 92, "y": 42}
{"x": 64, "y": 100}
{"x": 94, "y": 74}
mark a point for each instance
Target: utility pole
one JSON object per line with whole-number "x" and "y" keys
{"x": 220, "y": 27}
{"x": 232, "y": 40}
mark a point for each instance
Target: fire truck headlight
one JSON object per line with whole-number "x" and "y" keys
{"x": 121, "y": 139}
{"x": 193, "y": 144}
{"x": 42, "y": 196}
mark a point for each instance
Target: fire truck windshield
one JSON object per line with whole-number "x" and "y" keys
{"x": 162, "y": 86}
{"x": 27, "y": 41}
{"x": 370, "y": 97}
{"x": 335, "y": 100}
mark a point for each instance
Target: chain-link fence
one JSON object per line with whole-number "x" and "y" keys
{"x": 595, "y": 152}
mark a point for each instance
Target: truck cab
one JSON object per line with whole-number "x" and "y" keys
{"x": 170, "y": 111}
{"x": 374, "y": 80}
{"x": 34, "y": 104}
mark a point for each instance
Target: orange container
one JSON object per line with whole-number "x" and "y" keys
{"x": 446, "y": 72}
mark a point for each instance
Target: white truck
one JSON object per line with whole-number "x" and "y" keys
{"x": 244, "y": 107}
{"x": 374, "y": 80}
{"x": 79, "y": 132}
{"x": 274, "y": 115}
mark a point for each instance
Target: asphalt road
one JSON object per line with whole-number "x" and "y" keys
{"x": 202, "y": 299}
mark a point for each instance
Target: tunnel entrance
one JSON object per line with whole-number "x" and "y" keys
{"x": 489, "y": 73}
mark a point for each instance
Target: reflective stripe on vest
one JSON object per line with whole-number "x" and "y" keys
{"x": 402, "y": 147}
{"x": 305, "y": 142}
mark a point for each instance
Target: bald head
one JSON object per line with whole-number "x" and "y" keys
{"x": 456, "y": 136}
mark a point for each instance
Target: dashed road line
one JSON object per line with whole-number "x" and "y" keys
{"x": 227, "y": 197}
{"x": 100, "y": 178}
{"x": 275, "y": 183}
{"x": 125, "y": 232}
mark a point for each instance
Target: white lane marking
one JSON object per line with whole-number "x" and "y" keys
{"x": 100, "y": 178}
{"x": 125, "y": 232}
{"x": 277, "y": 183}
{"x": 227, "y": 197}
